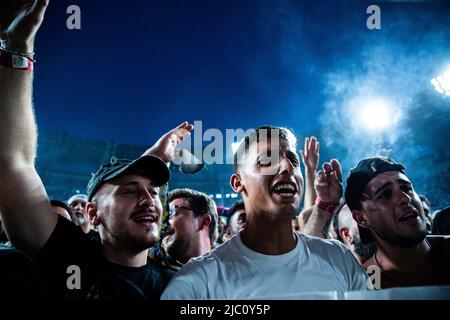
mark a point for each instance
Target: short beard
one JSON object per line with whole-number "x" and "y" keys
{"x": 404, "y": 241}
{"x": 179, "y": 247}
{"x": 80, "y": 218}
{"x": 124, "y": 241}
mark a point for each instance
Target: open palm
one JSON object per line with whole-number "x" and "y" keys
{"x": 19, "y": 22}
{"x": 328, "y": 182}
{"x": 165, "y": 146}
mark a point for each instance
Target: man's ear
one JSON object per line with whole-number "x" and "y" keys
{"x": 92, "y": 211}
{"x": 236, "y": 183}
{"x": 360, "y": 218}
{"x": 345, "y": 235}
{"x": 205, "y": 221}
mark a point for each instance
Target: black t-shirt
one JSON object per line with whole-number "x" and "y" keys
{"x": 72, "y": 266}
{"x": 19, "y": 278}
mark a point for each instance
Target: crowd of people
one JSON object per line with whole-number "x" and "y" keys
{"x": 131, "y": 237}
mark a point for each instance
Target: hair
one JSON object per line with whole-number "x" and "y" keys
{"x": 283, "y": 133}
{"x": 238, "y": 205}
{"x": 3, "y": 236}
{"x": 201, "y": 204}
{"x": 335, "y": 218}
{"x": 441, "y": 222}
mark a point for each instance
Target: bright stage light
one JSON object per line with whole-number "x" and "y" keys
{"x": 375, "y": 115}
{"x": 442, "y": 83}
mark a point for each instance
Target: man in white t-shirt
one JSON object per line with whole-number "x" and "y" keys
{"x": 267, "y": 259}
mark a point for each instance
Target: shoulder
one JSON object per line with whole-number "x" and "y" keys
{"x": 69, "y": 241}
{"x": 69, "y": 232}
{"x": 158, "y": 269}
{"x": 441, "y": 243}
{"x": 205, "y": 265}
{"x": 329, "y": 250}
{"x": 323, "y": 245}
{"x": 214, "y": 256}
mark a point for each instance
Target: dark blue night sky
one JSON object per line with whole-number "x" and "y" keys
{"x": 167, "y": 61}
{"x": 138, "y": 68}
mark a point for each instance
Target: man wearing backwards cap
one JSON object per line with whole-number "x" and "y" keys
{"x": 389, "y": 212}
{"x": 123, "y": 194}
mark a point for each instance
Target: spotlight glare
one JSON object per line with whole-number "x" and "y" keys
{"x": 375, "y": 115}
{"x": 442, "y": 83}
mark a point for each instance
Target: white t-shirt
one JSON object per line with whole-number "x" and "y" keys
{"x": 233, "y": 271}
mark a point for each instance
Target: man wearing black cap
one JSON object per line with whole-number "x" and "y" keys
{"x": 124, "y": 195}
{"x": 390, "y": 213}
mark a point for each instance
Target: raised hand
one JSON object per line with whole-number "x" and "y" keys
{"x": 165, "y": 146}
{"x": 19, "y": 22}
{"x": 310, "y": 154}
{"x": 328, "y": 183}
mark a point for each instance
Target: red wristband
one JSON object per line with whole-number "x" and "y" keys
{"x": 328, "y": 207}
{"x": 15, "y": 61}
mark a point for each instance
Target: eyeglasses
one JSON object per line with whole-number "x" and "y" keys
{"x": 173, "y": 210}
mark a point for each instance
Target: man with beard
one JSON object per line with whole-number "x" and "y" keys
{"x": 388, "y": 211}
{"x": 80, "y": 217}
{"x": 267, "y": 259}
{"x": 347, "y": 232}
{"x": 192, "y": 227}
{"x": 123, "y": 194}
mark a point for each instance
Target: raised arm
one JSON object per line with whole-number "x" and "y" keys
{"x": 328, "y": 185}
{"x": 165, "y": 146}
{"x": 310, "y": 159}
{"x": 26, "y": 213}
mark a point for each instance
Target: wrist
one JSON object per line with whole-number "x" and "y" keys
{"x": 311, "y": 171}
{"x": 15, "y": 61}
{"x": 24, "y": 48}
{"x": 326, "y": 206}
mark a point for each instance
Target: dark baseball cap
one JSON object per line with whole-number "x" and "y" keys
{"x": 147, "y": 166}
{"x": 359, "y": 177}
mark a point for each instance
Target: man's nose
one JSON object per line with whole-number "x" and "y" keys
{"x": 286, "y": 166}
{"x": 403, "y": 197}
{"x": 147, "y": 199}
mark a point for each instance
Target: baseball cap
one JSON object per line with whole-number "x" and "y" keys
{"x": 359, "y": 177}
{"x": 148, "y": 166}
{"x": 78, "y": 196}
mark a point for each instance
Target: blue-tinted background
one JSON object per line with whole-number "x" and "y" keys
{"x": 139, "y": 68}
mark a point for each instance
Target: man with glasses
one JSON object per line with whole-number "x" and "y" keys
{"x": 192, "y": 227}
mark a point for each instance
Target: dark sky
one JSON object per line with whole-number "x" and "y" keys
{"x": 138, "y": 68}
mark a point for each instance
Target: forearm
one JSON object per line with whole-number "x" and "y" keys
{"x": 318, "y": 223}
{"x": 310, "y": 192}
{"x": 17, "y": 126}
